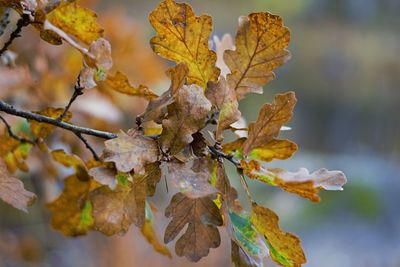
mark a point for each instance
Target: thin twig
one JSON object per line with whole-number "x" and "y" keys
{"x": 245, "y": 185}
{"x": 21, "y": 23}
{"x": 78, "y": 90}
{"x": 219, "y": 154}
{"x": 88, "y": 146}
{"x": 13, "y": 135}
{"x": 7, "y": 108}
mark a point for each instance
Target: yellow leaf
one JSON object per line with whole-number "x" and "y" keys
{"x": 151, "y": 237}
{"x": 183, "y": 37}
{"x": 274, "y": 149}
{"x": 284, "y": 248}
{"x": 261, "y": 43}
{"x": 77, "y": 21}
{"x": 120, "y": 83}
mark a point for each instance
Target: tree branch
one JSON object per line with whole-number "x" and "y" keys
{"x": 21, "y": 23}
{"x": 219, "y": 154}
{"x": 7, "y": 108}
{"x": 78, "y": 90}
{"x": 13, "y": 135}
{"x": 88, "y": 146}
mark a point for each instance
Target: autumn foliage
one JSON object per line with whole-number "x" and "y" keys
{"x": 179, "y": 136}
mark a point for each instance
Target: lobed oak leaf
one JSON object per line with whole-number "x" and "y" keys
{"x": 261, "y": 43}
{"x": 157, "y": 108}
{"x": 119, "y": 82}
{"x": 78, "y": 21}
{"x": 186, "y": 116}
{"x": 225, "y": 101}
{"x": 202, "y": 217}
{"x": 12, "y": 190}
{"x": 183, "y": 37}
{"x": 131, "y": 151}
{"x": 71, "y": 211}
{"x": 269, "y": 122}
{"x": 284, "y": 248}
{"x": 43, "y": 130}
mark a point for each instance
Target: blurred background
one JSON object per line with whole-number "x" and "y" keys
{"x": 345, "y": 70}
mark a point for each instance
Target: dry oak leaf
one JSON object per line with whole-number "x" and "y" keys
{"x": 12, "y": 190}
{"x": 261, "y": 43}
{"x": 202, "y": 217}
{"x": 157, "y": 108}
{"x": 71, "y": 212}
{"x": 104, "y": 175}
{"x": 225, "y": 101}
{"x": 269, "y": 122}
{"x": 308, "y": 184}
{"x": 284, "y": 248}
{"x": 221, "y": 45}
{"x": 183, "y": 37}
{"x": 131, "y": 151}
{"x": 186, "y": 116}
{"x": 78, "y": 21}
{"x": 120, "y": 83}
{"x": 43, "y": 130}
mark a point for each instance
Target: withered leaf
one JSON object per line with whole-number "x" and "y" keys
{"x": 157, "y": 108}
{"x": 73, "y": 161}
{"x": 77, "y": 21}
{"x": 308, "y": 184}
{"x": 221, "y": 45}
{"x": 151, "y": 237}
{"x": 71, "y": 213}
{"x": 105, "y": 176}
{"x": 119, "y": 82}
{"x": 131, "y": 151}
{"x": 202, "y": 217}
{"x": 183, "y": 37}
{"x": 185, "y": 117}
{"x": 261, "y": 43}
{"x": 284, "y": 248}
{"x": 12, "y": 190}
{"x": 224, "y": 99}
{"x": 43, "y": 130}
{"x": 269, "y": 122}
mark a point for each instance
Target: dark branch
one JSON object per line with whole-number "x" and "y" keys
{"x": 88, "y": 146}
{"x": 78, "y": 90}
{"x": 21, "y": 23}
{"x": 219, "y": 154}
{"x": 13, "y": 135}
{"x": 7, "y": 108}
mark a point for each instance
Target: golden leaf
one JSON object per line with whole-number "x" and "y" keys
{"x": 261, "y": 43}
{"x": 274, "y": 149}
{"x": 131, "y": 151}
{"x": 71, "y": 161}
{"x": 185, "y": 117}
{"x": 183, "y": 37}
{"x": 120, "y": 83}
{"x": 202, "y": 217}
{"x": 12, "y": 190}
{"x": 77, "y": 21}
{"x": 284, "y": 248}
{"x": 269, "y": 122}
{"x": 151, "y": 237}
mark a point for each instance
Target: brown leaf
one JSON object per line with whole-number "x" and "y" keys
{"x": 131, "y": 151}
{"x": 224, "y": 99}
{"x": 71, "y": 213}
{"x": 185, "y": 117}
{"x": 12, "y": 190}
{"x": 269, "y": 121}
{"x": 157, "y": 108}
{"x": 105, "y": 176}
{"x": 285, "y": 248}
{"x": 120, "y": 83}
{"x": 202, "y": 217}
{"x": 261, "y": 43}
{"x": 183, "y": 38}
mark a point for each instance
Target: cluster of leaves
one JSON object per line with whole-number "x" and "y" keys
{"x": 180, "y": 136}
